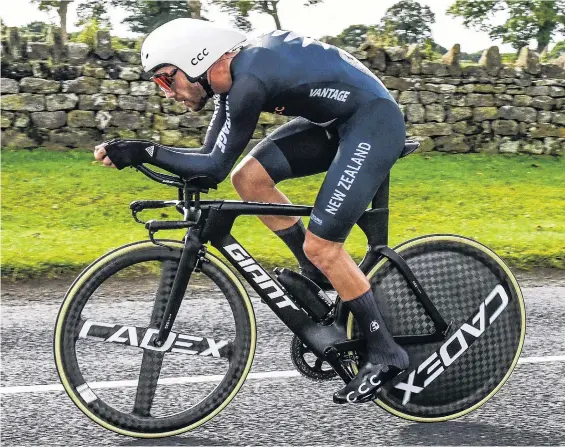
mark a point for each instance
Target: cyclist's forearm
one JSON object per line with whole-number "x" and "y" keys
{"x": 216, "y": 123}
{"x": 190, "y": 164}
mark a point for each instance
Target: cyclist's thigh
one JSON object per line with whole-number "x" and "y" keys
{"x": 297, "y": 149}
{"x": 371, "y": 141}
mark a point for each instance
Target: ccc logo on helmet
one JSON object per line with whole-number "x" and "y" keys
{"x": 199, "y": 57}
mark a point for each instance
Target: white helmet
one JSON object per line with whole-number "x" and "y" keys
{"x": 190, "y": 44}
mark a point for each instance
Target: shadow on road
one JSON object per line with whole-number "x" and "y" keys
{"x": 465, "y": 433}
{"x": 174, "y": 440}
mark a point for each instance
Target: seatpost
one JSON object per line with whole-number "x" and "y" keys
{"x": 382, "y": 195}
{"x": 378, "y": 223}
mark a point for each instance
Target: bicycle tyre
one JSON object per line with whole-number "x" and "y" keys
{"x": 459, "y": 274}
{"x": 66, "y": 335}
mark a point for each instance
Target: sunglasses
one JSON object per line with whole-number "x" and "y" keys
{"x": 165, "y": 80}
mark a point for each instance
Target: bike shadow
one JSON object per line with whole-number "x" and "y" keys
{"x": 471, "y": 433}
{"x": 174, "y": 440}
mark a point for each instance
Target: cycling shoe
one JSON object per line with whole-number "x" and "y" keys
{"x": 365, "y": 385}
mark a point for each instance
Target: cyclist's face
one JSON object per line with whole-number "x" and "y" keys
{"x": 191, "y": 94}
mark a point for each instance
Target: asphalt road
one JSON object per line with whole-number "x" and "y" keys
{"x": 288, "y": 410}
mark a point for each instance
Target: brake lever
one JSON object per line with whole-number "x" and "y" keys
{"x": 134, "y": 215}
{"x": 152, "y": 238}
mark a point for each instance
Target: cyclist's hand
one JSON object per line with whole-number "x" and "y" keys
{"x": 124, "y": 153}
{"x": 100, "y": 155}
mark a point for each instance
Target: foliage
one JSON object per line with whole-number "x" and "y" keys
{"x": 36, "y": 27}
{"x": 138, "y": 44}
{"x": 437, "y": 47}
{"x": 48, "y": 5}
{"x": 430, "y": 50}
{"x": 146, "y": 15}
{"x": 96, "y": 10}
{"x": 239, "y": 10}
{"x": 120, "y": 43}
{"x": 538, "y": 20}
{"x": 35, "y": 31}
{"x": 383, "y": 38}
{"x": 354, "y": 35}
{"x": 408, "y": 21}
{"x": 557, "y": 50}
{"x": 335, "y": 41}
{"x": 88, "y": 33}
{"x": 473, "y": 57}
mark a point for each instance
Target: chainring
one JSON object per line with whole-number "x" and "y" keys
{"x": 307, "y": 364}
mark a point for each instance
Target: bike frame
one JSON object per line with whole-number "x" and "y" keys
{"x": 211, "y": 221}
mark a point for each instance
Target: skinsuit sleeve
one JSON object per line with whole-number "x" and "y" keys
{"x": 243, "y": 106}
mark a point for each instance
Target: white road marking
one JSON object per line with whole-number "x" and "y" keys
{"x": 203, "y": 379}
{"x": 551, "y": 358}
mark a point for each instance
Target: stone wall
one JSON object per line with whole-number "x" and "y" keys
{"x": 487, "y": 108}
{"x": 73, "y": 96}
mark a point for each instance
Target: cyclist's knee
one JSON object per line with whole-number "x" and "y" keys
{"x": 249, "y": 174}
{"x": 321, "y": 252}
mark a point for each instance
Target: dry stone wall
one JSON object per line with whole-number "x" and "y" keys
{"x": 72, "y": 96}
{"x": 492, "y": 107}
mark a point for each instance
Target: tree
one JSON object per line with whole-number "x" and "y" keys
{"x": 240, "y": 9}
{"x": 146, "y": 15}
{"x": 36, "y": 27}
{"x": 61, "y": 7}
{"x": 528, "y": 20}
{"x": 474, "y": 57}
{"x": 354, "y": 35}
{"x": 35, "y": 31}
{"x": 408, "y": 21}
{"x": 431, "y": 50}
{"x": 93, "y": 11}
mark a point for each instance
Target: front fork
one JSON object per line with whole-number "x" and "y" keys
{"x": 188, "y": 262}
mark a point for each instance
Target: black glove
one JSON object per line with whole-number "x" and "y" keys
{"x": 124, "y": 153}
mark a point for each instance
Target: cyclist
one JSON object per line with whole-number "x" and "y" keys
{"x": 346, "y": 123}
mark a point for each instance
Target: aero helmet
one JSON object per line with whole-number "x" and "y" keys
{"x": 189, "y": 44}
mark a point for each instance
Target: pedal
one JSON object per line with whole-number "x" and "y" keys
{"x": 370, "y": 398}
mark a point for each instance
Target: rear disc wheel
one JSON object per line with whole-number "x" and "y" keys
{"x": 474, "y": 290}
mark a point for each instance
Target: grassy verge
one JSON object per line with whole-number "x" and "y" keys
{"x": 61, "y": 210}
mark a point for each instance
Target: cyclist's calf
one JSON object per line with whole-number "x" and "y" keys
{"x": 334, "y": 262}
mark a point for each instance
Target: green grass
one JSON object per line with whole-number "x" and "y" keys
{"x": 60, "y": 211}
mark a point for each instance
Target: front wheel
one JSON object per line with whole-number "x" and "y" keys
{"x": 477, "y": 293}
{"x": 104, "y": 350}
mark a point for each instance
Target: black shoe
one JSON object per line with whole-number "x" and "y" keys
{"x": 318, "y": 277}
{"x": 365, "y": 385}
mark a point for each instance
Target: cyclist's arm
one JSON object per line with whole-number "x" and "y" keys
{"x": 243, "y": 107}
{"x": 216, "y": 123}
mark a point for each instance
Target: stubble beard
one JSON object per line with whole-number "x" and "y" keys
{"x": 199, "y": 105}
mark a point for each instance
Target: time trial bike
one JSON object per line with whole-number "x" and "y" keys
{"x": 165, "y": 352}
